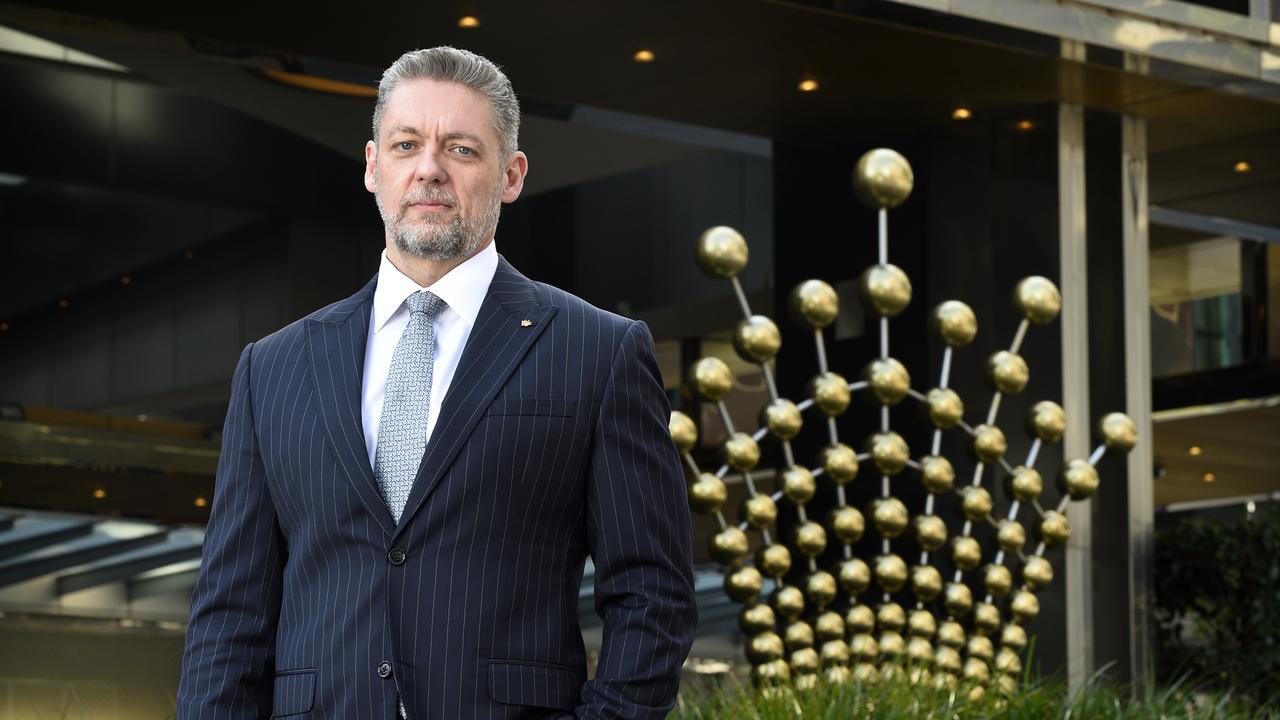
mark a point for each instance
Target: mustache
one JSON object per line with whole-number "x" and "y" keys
{"x": 430, "y": 195}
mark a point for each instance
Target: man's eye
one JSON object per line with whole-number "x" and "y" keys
{"x": 404, "y": 145}
{"x": 464, "y": 151}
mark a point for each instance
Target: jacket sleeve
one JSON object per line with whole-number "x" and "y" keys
{"x": 639, "y": 535}
{"x": 227, "y": 665}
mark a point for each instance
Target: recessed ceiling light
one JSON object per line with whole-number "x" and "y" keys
{"x": 125, "y": 280}
{"x": 1209, "y": 477}
{"x": 99, "y": 493}
{"x": 1242, "y": 167}
{"x": 1194, "y": 450}
{"x": 200, "y": 501}
{"x": 64, "y": 303}
{"x": 643, "y": 56}
{"x": 4, "y": 327}
{"x": 1025, "y": 126}
{"x": 809, "y": 85}
{"x": 961, "y": 113}
{"x": 468, "y": 22}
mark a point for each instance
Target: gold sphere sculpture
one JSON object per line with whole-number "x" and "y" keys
{"x": 1007, "y": 662}
{"x": 772, "y": 674}
{"x": 891, "y": 572}
{"x": 820, "y": 589}
{"x": 1013, "y": 637}
{"x": 829, "y": 626}
{"x": 922, "y": 623}
{"x": 855, "y": 576}
{"x": 841, "y": 675}
{"x": 847, "y": 523}
{"x": 888, "y": 380}
{"x": 810, "y": 539}
{"x": 805, "y": 661}
{"x": 1007, "y": 372}
{"x": 1047, "y": 421}
{"x": 997, "y": 579}
{"x": 802, "y": 682}
{"x": 1011, "y": 536}
{"x": 787, "y": 602}
{"x": 955, "y": 323}
{"x": 684, "y": 433}
{"x": 1024, "y": 605}
{"x": 1054, "y": 528}
{"x": 835, "y": 652}
{"x": 744, "y": 584}
{"x": 799, "y": 635}
{"x": 773, "y": 559}
{"x": 976, "y": 671}
{"x": 986, "y": 617}
{"x": 892, "y": 646}
{"x": 722, "y": 252}
{"x": 885, "y": 290}
{"x": 947, "y": 660}
{"x": 830, "y": 393}
{"x": 889, "y": 452}
{"x": 814, "y": 304}
{"x": 882, "y": 179}
{"x": 860, "y": 619}
{"x": 937, "y": 473}
{"x": 760, "y": 511}
{"x": 1037, "y": 299}
{"x": 765, "y": 647}
{"x": 707, "y": 494}
{"x": 1078, "y": 479}
{"x": 728, "y": 545}
{"x": 1118, "y": 431}
{"x": 839, "y": 462}
{"x": 890, "y": 516}
{"x": 741, "y": 452}
{"x": 926, "y": 582}
{"x": 989, "y": 443}
{"x": 976, "y": 502}
{"x": 931, "y": 532}
{"x": 891, "y": 616}
{"x": 864, "y": 647}
{"x": 756, "y": 619}
{"x": 951, "y": 634}
{"x": 979, "y": 646}
{"x": 1025, "y": 484}
{"x": 757, "y": 339}
{"x": 711, "y": 378}
{"x": 1037, "y": 572}
{"x": 798, "y": 484}
{"x": 944, "y": 408}
{"x": 966, "y": 553}
{"x": 782, "y": 417}
{"x": 957, "y": 598}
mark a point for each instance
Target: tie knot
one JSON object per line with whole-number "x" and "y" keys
{"x": 424, "y": 303}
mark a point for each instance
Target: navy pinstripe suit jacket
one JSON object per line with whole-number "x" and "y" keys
{"x": 551, "y": 444}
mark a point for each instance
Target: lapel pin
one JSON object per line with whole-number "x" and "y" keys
{"x": 526, "y": 323}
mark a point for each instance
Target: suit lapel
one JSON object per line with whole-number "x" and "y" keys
{"x": 495, "y": 346}
{"x": 337, "y": 340}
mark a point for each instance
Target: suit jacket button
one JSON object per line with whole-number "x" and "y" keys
{"x": 396, "y": 556}
{"x": 384, "y": 669}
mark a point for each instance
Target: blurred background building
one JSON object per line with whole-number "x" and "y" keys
{"x": 177, "y": 180}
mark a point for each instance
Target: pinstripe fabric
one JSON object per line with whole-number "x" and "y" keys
{"x": 551, "y": 445}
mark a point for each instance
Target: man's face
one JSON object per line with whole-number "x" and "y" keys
{"x": 437, "y": 171}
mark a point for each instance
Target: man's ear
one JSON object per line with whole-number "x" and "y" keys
{"x": 517, "y": 169}
{"x": 370, "y": 166}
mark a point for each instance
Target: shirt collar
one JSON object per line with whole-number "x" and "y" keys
{"x": 463, "y": 288}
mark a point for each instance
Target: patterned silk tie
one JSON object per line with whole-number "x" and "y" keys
{"x": 402, "y": 430}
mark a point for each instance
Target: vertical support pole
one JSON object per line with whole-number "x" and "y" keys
{"x": 1075, "y": 376}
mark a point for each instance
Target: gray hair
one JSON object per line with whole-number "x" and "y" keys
{"x": 449, "y": 64}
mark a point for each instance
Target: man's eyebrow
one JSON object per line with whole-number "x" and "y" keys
{"x": 474, "y": 139}
{"x": 405, "y": 130}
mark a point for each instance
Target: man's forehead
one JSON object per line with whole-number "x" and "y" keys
{"x": 424, "y": 105}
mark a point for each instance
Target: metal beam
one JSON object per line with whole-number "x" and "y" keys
{"x": 6, "y": 522}
{"x": 30, "y": 569}
{"x": 117, "y": 572}
{"x": 31, "y": 543}
{"x": 162, "y": 584}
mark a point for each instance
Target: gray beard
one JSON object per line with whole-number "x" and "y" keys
{"x": 461, "y": 237}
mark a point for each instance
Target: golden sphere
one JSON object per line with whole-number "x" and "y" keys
{"x": 744, "y": 584}
{"x": 829, "y": 626}
{"x": 740, "y": 452}
{"x": 989, "y": 443}
{"x": 945, "y": 682}
{"x": 882, "y": 179}
{"x": 888, "y": 379}
{"x": 866, "y": 674}
{"x": 976, "y": 502}
{"x": 885, "y": 290}
{"x": 957, "y": 598}
{"x": 944, "y": 407}
{"x": 1008, "y": 662}
{"x": 728, "y": 545}
{"x": 1054, "y": 528}
{"x": 931, "y": 532}
{"x": 830, "y": 393}
{"x": 840, "y": 463}
{"x": 1078, "y": 479}
{"x": 765, "y": 647}
{"x": 997, "y": 579}
{"x": 707, "y": 494}
{"x": 810, "y": 539}
{"x": 787, "y": 602}
{"x": 1038, "y": 300}
{"x": 756, "y": 619}
{"x": 889, "y": 452}
{"x": 922, "y": 623}
{"x": 772, "y": 674}
{"x": 1047, "y": 421}
{"x": 1011, "y": 536}
{"x": 947, "y": 660}
{"x": 1007, "y": 372}
{"x": 1025, "y": 484}
{"x": 798, "y": 484}
{"x": 760, "y": 511}
{"x": 926, "y": 582}
{"x": 722, "y": 252}
{"x": 937, "y": 473}
{"x": 773, "y": 559}
{"x": 799, "y": 635}
{"x": 820, "y": 589}
{"x": 890, "y": 516}
{"x": 986, "y": 617}
{"x": 684, "y": 433}
{"x": 847, "y": 523}
{"x": 891, "y": 572}
{"x": 1024, "y": 605}
{"x": 757, "y": 339}
{"x": 1037, "y": 572}
{"x": 890, "y": 616}
{"x": 966, "y": 553}
{"x": 976, "y": 671}
{"x": 955, "y": 323}
{"x": 855, "y": 576}
{"x": 803, "y": 682}
{"x": 864, "y": 647}
{"x": 805, "y": 661}
{"x": 979, "y": 646}
{"x": 951, "y": 634}
{"x": 838, "y": 675}
{"x": 835, "y": 652}
{"x": 860, "y": 619}
{"x": 1013, "y": 637}
{"x": 1007, "y": 685}
{"x": 782, "y": 417}
{"x": 814, "y": 304}
{"x": 711, "y": 378}
{"x": 892, "y": 646}
{"x": 1118, "y": 431}
{"x": 920, "y": 650}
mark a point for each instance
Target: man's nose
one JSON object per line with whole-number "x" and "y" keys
{"x": 430, "y": 170}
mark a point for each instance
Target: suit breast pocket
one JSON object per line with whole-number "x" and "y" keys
{"x": 544, "y": 407}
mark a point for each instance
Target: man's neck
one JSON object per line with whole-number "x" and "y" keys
{"x": 426, "y": 271}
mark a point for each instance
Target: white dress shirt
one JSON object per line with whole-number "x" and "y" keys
{"x": 463, "y": 290}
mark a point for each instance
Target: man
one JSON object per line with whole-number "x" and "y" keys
{"x": 412, "y": 478}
